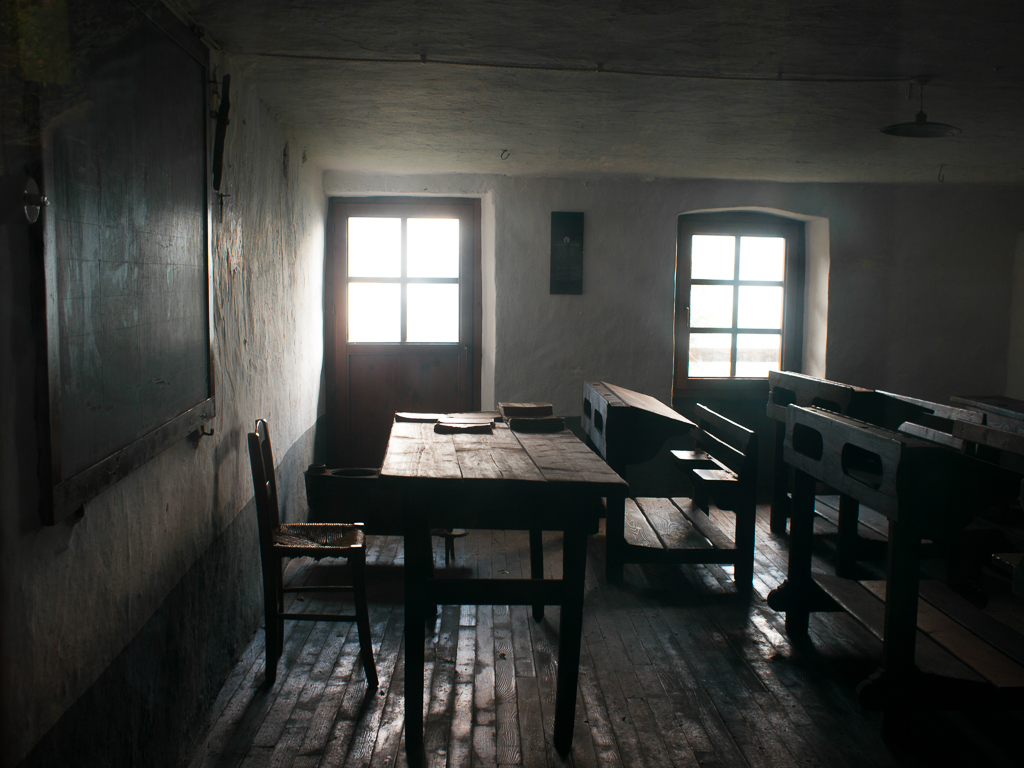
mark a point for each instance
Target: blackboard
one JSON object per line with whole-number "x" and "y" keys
{"x": 126, "y": 250}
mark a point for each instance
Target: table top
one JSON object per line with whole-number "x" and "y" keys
{"x": 417, "y": 452}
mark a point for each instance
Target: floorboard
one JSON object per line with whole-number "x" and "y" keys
{"x": 677, "y": 669}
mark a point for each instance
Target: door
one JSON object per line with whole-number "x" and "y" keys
{"x": 402, "y": 317}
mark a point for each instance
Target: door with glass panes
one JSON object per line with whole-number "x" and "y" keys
{"x": 402, "y": 317}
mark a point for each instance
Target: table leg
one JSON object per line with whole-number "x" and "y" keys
{"x": 537, "y": 566}
{"x": 418, "y": 569}
{"x": 570, "y": 631}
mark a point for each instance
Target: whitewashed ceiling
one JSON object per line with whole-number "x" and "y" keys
{"x": 794, "y": 91}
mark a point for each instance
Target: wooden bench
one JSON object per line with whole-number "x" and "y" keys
{"x": 722, "y": 470}
{"x": 926, "y": 491}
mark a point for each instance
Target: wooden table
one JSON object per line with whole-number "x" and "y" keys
{"x": 499, "y": 480}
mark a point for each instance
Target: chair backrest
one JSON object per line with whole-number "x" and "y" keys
{"x": 264, "y": 482}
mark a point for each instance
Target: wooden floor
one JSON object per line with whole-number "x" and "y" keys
{"x": 676, "y": 670}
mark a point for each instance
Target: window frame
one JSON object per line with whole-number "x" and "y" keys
{"x": 466, "y": 265}
{"x": 738, "y": 224}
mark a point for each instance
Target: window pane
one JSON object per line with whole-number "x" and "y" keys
{"x": 709, "y": 355}
{"x": 432, "y": 313}
{"x": 711, "y": 306}
{"x": 760, "y": 307}
{"x": 374, "y": 247}
{"x": 374, "y": 312}
{"x": 433, "y": 247}
{"x": 758, "y": 353}
{"x": 762, "y": 258}
{"x": 713, "y": 257}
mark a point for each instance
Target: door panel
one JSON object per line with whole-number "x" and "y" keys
{"x": 369, "y": 382}
{"x": 382, "y": 385}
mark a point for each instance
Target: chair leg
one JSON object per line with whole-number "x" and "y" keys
{"x": 271, "y": 620}
{"x": 279, "y": 570}
{"x": 358, "y": 563}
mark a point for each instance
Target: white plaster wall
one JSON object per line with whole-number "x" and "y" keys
{"x": 75, "y": 594}
{"x": 918, "y": 279}
{"x": 816, "y": 271}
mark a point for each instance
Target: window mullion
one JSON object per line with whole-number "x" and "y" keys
{"x": 735, "y": 310}
{"x": 405, "y": 277}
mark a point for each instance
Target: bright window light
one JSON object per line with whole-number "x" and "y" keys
{"x": 760, "y": 307}
{"x": 374, "y": 247}
{"x": 713, "y": 257}
{"x": 432, "y": 313}
{"x": 433, "y": 247}
{"x": 757, "y": 353}
{"x": 374, "y": 312}
{"x": 710, "y": 355}
{"x": 762, "y": 258}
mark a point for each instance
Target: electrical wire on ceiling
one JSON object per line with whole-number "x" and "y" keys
{"x": 600, "y": 68}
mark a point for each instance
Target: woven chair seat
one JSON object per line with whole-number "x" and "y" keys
{"x": 325, "y": 536}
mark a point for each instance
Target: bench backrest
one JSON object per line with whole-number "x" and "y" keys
{"x": 732, "y": 444}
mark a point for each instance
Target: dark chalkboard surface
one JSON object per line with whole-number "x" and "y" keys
{"x": 125, "y": 163}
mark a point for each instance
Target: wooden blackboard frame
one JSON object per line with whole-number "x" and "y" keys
{"x": 62, "y": 493}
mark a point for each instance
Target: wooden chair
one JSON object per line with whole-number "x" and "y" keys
{"x": 723, "y": 469}
{"x": 316, "y": 540}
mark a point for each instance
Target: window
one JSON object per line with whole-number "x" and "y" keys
{"x": 403, "y": 279}
{"x": 739, "y": 301}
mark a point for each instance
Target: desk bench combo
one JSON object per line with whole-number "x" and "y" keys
{"x": 723, "y": 469}
{"x": 857, "y": 538}
{"x": 938, "y": 652}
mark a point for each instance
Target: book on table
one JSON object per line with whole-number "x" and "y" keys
{"x": 525, "y": 410}
{"x": 531, "y": 417}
